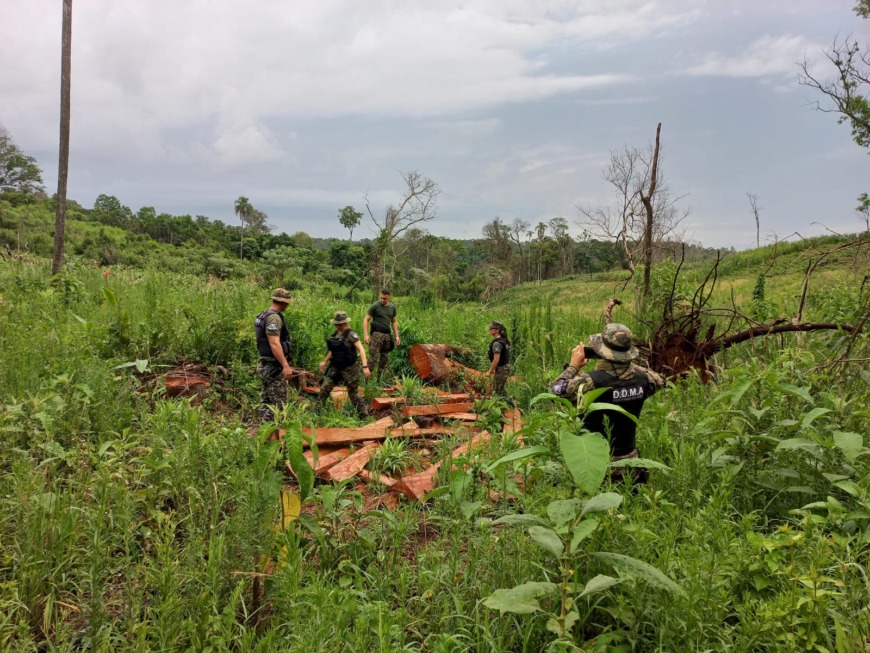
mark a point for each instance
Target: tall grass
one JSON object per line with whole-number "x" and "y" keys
{"x": 130, "y": 522}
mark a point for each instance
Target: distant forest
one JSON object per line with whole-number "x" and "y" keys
{"x": 418, "y": 262}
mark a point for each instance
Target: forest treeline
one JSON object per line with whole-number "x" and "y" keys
{"x": 419, "y": 262}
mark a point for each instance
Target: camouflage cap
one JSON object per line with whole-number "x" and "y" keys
{"x": 340, "y": 318}
{"x": 280, "y": 295}
{"x": 495, "y": 325}
{"x": 614, "y": 343}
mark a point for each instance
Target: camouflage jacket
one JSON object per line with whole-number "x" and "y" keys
{"x": 580, "y": 381}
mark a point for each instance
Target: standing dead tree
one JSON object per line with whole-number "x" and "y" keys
{"x": 418, "y": 204}
{"x": 644, "y": 211}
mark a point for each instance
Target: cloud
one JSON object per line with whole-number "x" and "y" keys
{"x": 768, "y": 56}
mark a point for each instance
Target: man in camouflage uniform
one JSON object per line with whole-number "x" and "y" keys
{"x": 381, "y": 316}
{"x": 342, "y": 363}
{"x": 629, "y": 386}
{"x": 273, "y": 345}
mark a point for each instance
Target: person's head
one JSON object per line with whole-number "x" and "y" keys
{"x": 614, "y": 343}
{"x": 340, "y": 320}
{"x": 497, "y": 330}
{"x": 384, "y": 297}
{"x": 281, "y": 298}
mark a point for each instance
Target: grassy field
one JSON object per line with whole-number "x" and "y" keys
{"x": 134, "y": 522}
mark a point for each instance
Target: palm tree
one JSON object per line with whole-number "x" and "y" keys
{"x": 244, "y": 211}
{"x": 63, "y": 157}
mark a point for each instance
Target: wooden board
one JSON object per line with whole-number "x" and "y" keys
{"x": 325, "y": 461}
{"x": 438, "y": 409}
{"x": 369, "y": 477}
{"x": 463, "y": 417}
{"x": 352, "y": 465}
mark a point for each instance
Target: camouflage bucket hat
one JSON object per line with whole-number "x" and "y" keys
{"x": 340, "y": 318}
{"x": 281, "y": 295}
{"x": 495, "y": 325}
{"x": 614, "y": 343}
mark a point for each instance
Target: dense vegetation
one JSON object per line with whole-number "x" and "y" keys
{"x": 442, "y": 268}
{"x": 135, "y": 522}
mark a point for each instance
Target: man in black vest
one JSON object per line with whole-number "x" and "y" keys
{"x": 273, "y": 345}
{"x": 629, "y": 386}
{"x": 342, "y": 363}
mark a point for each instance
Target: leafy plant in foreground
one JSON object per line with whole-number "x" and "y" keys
{"x": 567, "y": 524}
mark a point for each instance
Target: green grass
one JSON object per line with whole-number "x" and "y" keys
{"x": 133, "y": 522}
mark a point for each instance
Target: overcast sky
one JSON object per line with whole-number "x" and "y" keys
{"x": 512, "y": 106}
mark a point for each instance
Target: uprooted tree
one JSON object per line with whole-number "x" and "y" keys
{"x": 687, "y": 335}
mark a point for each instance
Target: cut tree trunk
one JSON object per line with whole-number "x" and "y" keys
{"x": 432, "y": 363}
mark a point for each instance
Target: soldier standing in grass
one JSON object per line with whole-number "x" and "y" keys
{"x": 499, "y": 358}
{"x": 342, "y": 363}
{"x": 381, "y": 316}
{"x": 273, "y": 345}
{"x": 629, "y": 387}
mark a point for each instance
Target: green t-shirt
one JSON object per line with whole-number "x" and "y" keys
{"x": 382, "y": 316}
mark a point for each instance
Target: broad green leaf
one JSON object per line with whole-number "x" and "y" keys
{"x": 602, "y": 502}
{"x": 810, "y": 417}
{"x": 459, "y": 481}
{"x": 641, "y": 570}
{"x": 141, "y": 365}
{"x": 590, "y": 397}
{"x": 562, "y": 511}
{"x": 619, "y": 409}
{"x": 849, "y": 487}
{"x": 548, "y": 540}
{"x": 520, "y": 520}
{"x": 468, "y": 508}
{"x": 803, "y": 393}
{"x": 556, "y": 628}
{"x": 519, "y": 454}
{"x": 798, "y": 443}
{"x": 586, "y": 457}
{"x": 736, "y": 391}
{"x": 599, "y": 584}
{"x": 851, "y": 444}
{"x": 640, "y": 462}
{"x": 522, "y": 599}
{"x": 583, "y": 530}
{"x": 303, "y": 471}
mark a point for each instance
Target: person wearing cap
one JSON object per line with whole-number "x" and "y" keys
{"x": 381, "y": 317}
{"x": 273, "y": 345}
{"x": 499, "y": 358}
{"x": 629, "y": 386}
{"x": 342, "y": 363}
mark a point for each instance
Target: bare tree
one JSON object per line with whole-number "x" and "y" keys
{"x": 63, "y": 156}
{"x": 644, "y": 212}
{"x": 418, "y": 204}
{"x": 753, "y": 203}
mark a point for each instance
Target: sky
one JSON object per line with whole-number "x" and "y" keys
{"x": 513, "y": 107}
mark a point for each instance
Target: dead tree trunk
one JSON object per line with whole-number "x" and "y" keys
{"x": 647, "y": 200}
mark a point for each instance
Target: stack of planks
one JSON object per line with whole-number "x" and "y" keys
{"x": 345, "y": 453}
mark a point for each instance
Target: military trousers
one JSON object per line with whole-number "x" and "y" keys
{"x": 351, "y": 377}
{"x": 274, "y": 392}
{"x": 379, "y": 351}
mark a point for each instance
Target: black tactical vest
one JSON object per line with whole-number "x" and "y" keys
{"x": 505, "y": 357}
{"x": 343, "y": 352}
{"x": 263, "y": 341}
{"x": 629, "y": 394}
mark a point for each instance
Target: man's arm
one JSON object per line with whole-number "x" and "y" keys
{"x": 366, "y": 321}
{"x": 572, "y": 379}
{"x": 362, "y": 355}
{"x": 278, "y": 353}
{"x": 656, "y": 380}
{"x": 396, "y": 329}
